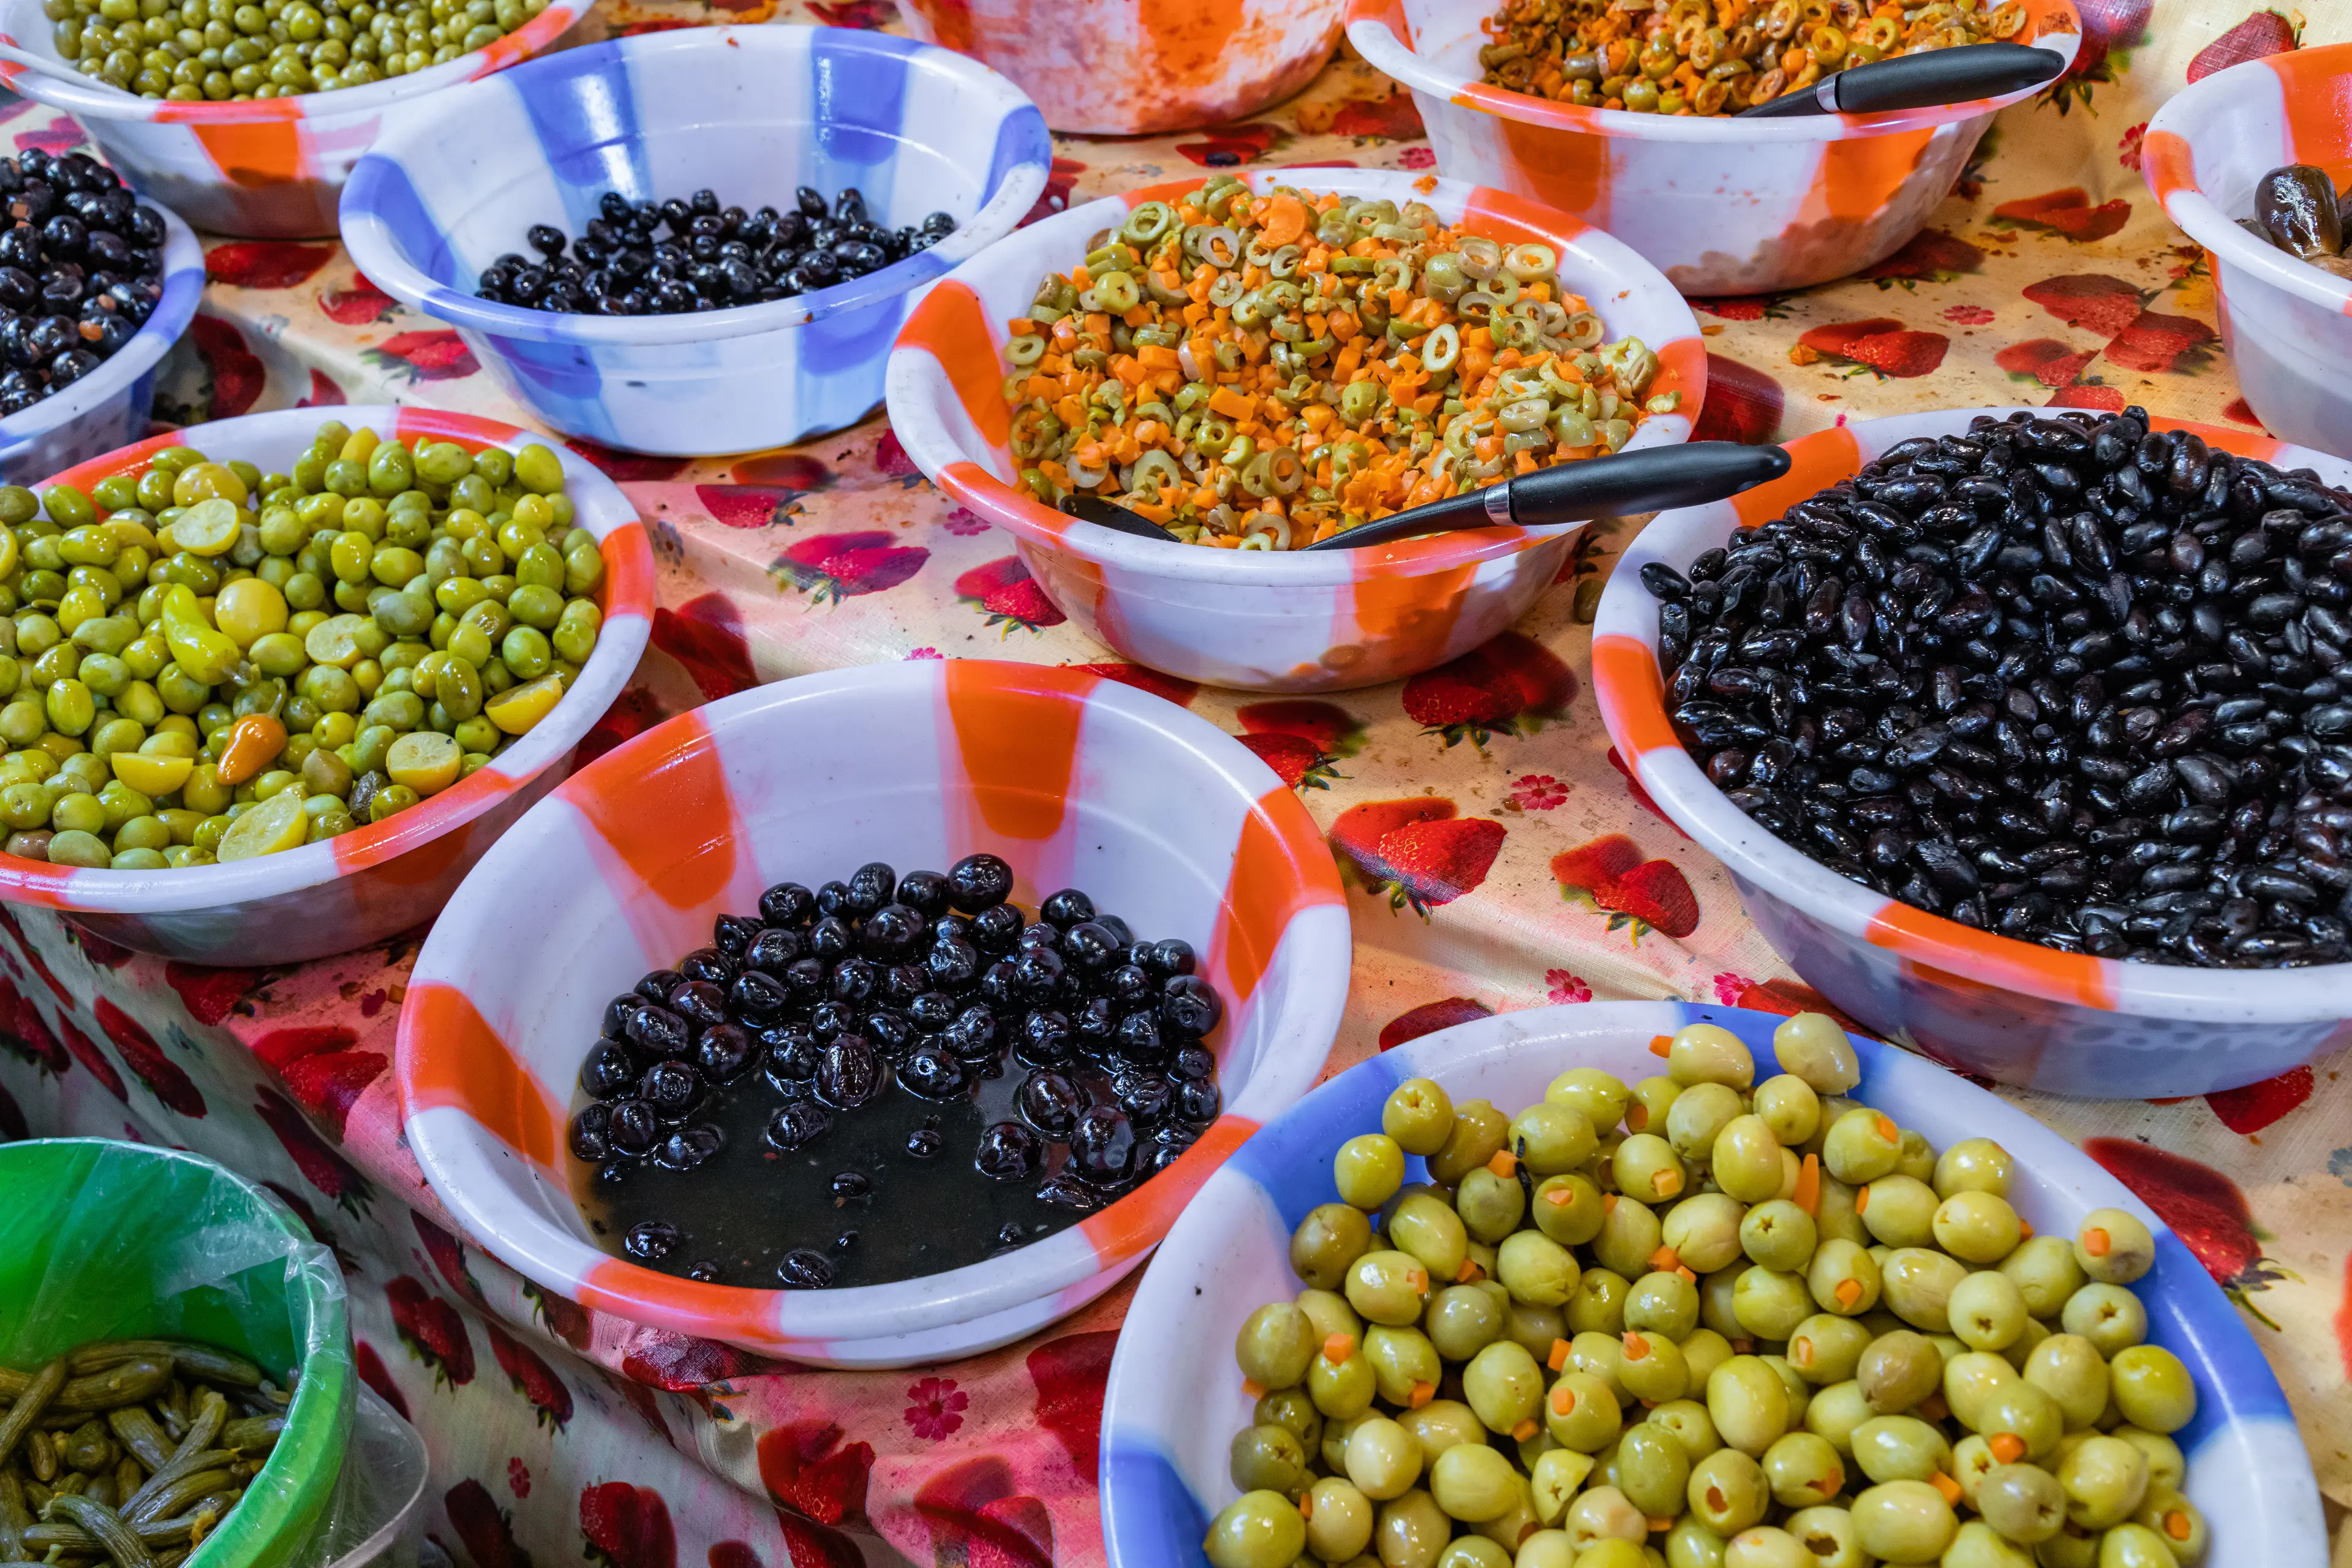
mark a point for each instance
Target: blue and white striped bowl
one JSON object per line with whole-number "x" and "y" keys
{"x": 109, "y": 406}
{"x": 1175, "y": 1398}
{"x": 750, "y": 112}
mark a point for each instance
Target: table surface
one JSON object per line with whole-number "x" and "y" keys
{"x": 2049, "y": 277}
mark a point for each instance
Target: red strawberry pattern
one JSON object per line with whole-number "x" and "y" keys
{"x": 2263, "y": 33}
{"x": 2091, "y": 300}
{"x": 1418, "y": 851}
{"x": 265, "y": 263}
{"x": 806, "y": 1468}
{"x": 794, "y": 472}
{"x": 24, "y": 1034}
{"x": 831, "y": 568}
{"x": 1004, "y": 592}
{"x": 2111, "y": 30}
{"x": 565, "y": 1319}
{"x": 1743, "y": 404}
{"x": 1168, "y": 688}
{"x": 85, "y": 1051}
{"x": 1641, "y": 894}
{"x": 487, "y": 1528}
{"x": 2044, "y": 360}
{"x": 425, "y": 356}
{"x": 1069, "y": 1373}
{"x": 2067, "y": 213}
{"x": 101, "y": 953}
{"x": 683, "y": 1363}
{"x": 1389, "y": 118}
{"x": 627, "y": 468}
{"x": 1295, "y": 759}
{"x": 1512, "y": 685}
{"x": 531, "y": 1376}
{"x": 432, "y": 1330}
{"x": 209, "y": 995}
{"x": 377, "y": 1376}
{"x": 2250, "y": 1110}
{"x": 1746, "y": 307}
{"x": 1882, "y": 346}
{"x": 360, "y": 305}
{"x": 2154, "y": 342}
{"x": 1930, "y": 256}
{"x": 1329, "y": 727}
{"x": 324, "y": 1169}
{"x": 2203, "y": 1207}
{"x": 746, "y": 506}
{"x": 975, "y": 1515}
{"x": 161, "y": 1076}
{"x": 1230, "y": 146}
{"x": 1430, "y": 1017}
{"x": 237, "y": 373}
{"x": 705, "y": 635}
{"x": 448, "y": 1258}
{"x": 325, "y": 393}
{"x": 813, "y": 1545}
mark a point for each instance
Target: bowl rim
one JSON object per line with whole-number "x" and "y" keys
{"x": 183, "y": 290}
{"x": 107, "y": 103}
{"x": 1135, "y": 1406}
{"x": 597, "y": 502}
{"x": 1379, "y": 31}
{"x": 378, "y": 253}
{"x": 1630, "y": 690}
{"x": 1060, "y": 1263}
{"x": 2168, "y": 166}
{"x": 915, "y": 372}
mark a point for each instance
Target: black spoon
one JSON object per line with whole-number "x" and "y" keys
{"x": 1926, "y": 80}
{"x": 1649, "y": 480}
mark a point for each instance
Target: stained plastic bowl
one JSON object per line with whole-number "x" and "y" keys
{"x": 1721, "y": 205}
{"x": 270, "y": 169}
{"x": 750, "y": 112}
{"x": 1183, "y": 67}
{"x": 109, "y": 406}
{"x": 2014, "y": 1011}
{"x": 1175, "y": 1400}
{"x": 103, "y": 1240}
{"x": 375, "y": 881}
{"x": 2287, "y": 325}
{"x": 1074, "y": 779}
{"x": 1263, "y": 621}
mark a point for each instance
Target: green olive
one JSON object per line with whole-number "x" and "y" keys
{"x": 2153, "y": 1389}
{"x": 1536, "y": 1269}
{"x": 1691, "y": 1544}
{"x": 1777, "y": 1235}
{"x": 2172, "y": 1516}
{"x": 1826, "y": 1348}
{"x": 1646, "y": 1167}
{"x": 1828, "y": 1533}
{"x": 1747, "y": 1158}
{"x": 2030, "y": 1333}
{"x": 1699, "y": 1114}
{"x": 2105, "y": 1479}
{"x": 1411, "y": 1531}
{"x": 2069, "y": 1369}
{"x": 2044, "y": 1271}
{"x": 1503, "y": 1385}
{"x": 1383, "y": 1459}
{"x": 1836, "y": 1411}
{"x": 1476, "y": 1550}
{"x": 1471, "y": 1482}
{"x": 1803, "y": 1470}
{"x": 1551, "y": 1138}
{"x": 1836, "y": 1217}
{"x": 2113, "y": 1247}
{"x": 2132, "y": 1545}
{"x": 1602, "y": 1097}
{"x": 1342, "y": 1390}
{"x": 1688, "y": 1421}
{"x": 2166, "y": 1466}
{"x": 1862, "y": 1145}
{"x": 1554, "y": 1479}
{"x": 1900, "y": 1448}
{"x": 1604, "y": 1513}
{"x": 1267, "y": 1458}
{"x": 1918, "y": 1158}
{"x": 1650, "y": 1368}
{"x": 1340, "y": 1526}
{"x": 1491, "y": 1207}
{"x": 1768, "y": 1304}
{"x": 1653, "y": 1468}
{"x": 1404, "y": 1363}
{"x": 1547, "y": 1548}
{"x": 1257, "y": 1530}
{"x": 1418, "y": 1116}
{"x": 1631, "y": 1236}
{"x": 1904, "y": 1521}
{"x": 1977, "y": 1544}
{"x": 2110, "y": 1316}
{"x": 1717, "y": 1292}
{"x": 1973, "y": 1165}
{"x": 1532, "y": 1328}
{"x": 2068, "y": 1549}
{"x": 1844, "y": 1279}
{"x": 1748, "y": 1404}
{"x": 1597, "y": 1306}
{"x": 1327, "y": 1244}
{"x": 1439, "y": 1424}
{"x": 1275, "y": 1345}
{"x": 1766, "y": 1546}
{"x": 1977, "y": 1227}
{"x": 1369, "y": 1170}
{"x": 2024, "y": 1411}
{"x": 1662, "y": 1303}
{"x": 1387, "y": 1288}
{"x": 1652, "y": 1102}
{"x": 1569, "y": 1209}
{"x": 1582, "y": 1412}
{"x": 1706, "y": 1053}
{"x": 1480, "y": 1130}
{"x": 1968, "y": 1380}
{"x": 1727, "y": 1491}
{"x": 1461, "y": 1321}
{"x": 1603, "y": 1355}
{"x": 1703, "y": 1350}
{"x": 1900, "y": 1210}
{"x": 1897, "y": 1370}
{"x": 1428, "y": 1228}
{"x": 1812, "y": 1047}
{"x": 1294, "y": 1412}
{"x": 1917, "y": 1285}
{"x": 1986, "y": 1312}
{"x": 1704, "y": 1231}
{"x": 2024, "y": 1502}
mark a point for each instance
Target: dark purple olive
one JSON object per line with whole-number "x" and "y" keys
{"x": 973, "y": 1035}
{"x": 892, "y": 933}
{"x": 1138, "y": 1036}
{"x": 925, "y": 1143}
{"x": 658, "y": 1032}
{"x": 804, "y": 1268}
{"x": 759, "y": 996}
{"x": 1145, "y": 1096}
{"x": 657, "y": 985}
{"x": 853, "y": 1073}
{"x": 591, "y": 1134}
{"x": 1172, "y": 955}
{"x": 688, "y": 1147}
{"x": 1000, "y": 984}
{"x": 772, "y": 950}
{"x": 925, "y": 892}
{"x": 1089, "y": 947}
{"x": 724, "y": 1052}
{"x": 609, "y": 1071}
{"x": 651, "y": 1241}
{"x": 978, "y": 883}
{"x": 1064, "y": 1190}
{"x": 933, "y": 1072}
{"x": 1038, "y": 934}
{"x": 1066, "y": 908}
{"x": 1189, "y": 1006}
{"x": 1129, "y": 985}
{"x": 1199, "y": 1100}
{"x": 672, "y": 1088}
{"x": 831, "y": 938}
{"x": 633, "y": 1129}
{"x": 996, "y": 929}
{"x": 952, "y": 964}
{"x": 853, "y": 980}
{"x": 1102, "y": 1146}
{"x": 933, "y": 1010}
{"x": 796, "y": 1124}
{"x": 1040, "y": 973}
{"x": 708, "y": 964}
{"x": 1050, "y": 1102}
{"x": 1008, "y": 1152}
{"x": 699, "y": 1003}
{"x": 1096, "y": 1021}
{"x": 787, "y": 904}
{"x": 732, "y": 934}
{"x": 1193, "y": 1063}
{"x": 1045, "y": 1037}
{"x": 616, "y": 1015}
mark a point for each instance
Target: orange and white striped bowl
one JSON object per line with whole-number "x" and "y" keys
{"x": 2288, "y": 325}
{"x": 2014, "y": 1011}
{"x": 375, "y": 881}
{"x": 1272, "y": 620}
{"x": 1074, "y": 779}
{"x": 1721, "y": 206}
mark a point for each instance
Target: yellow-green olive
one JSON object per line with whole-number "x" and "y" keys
{"x": 1768, "y": 1304}
{"x": 1650, "y": 1367}
{"x": 2172, "y": 1516}
{"x": 1826, "y": 1348}
{"x": 1746, "y": 1158}
{"x": 1835, "y": 1412}
{"x": 1327, "y": 1244}
{"x": 1778, "y": 1234}
{"x": 2131, "y": 1546}
{"x": 1900, "y": 1210}
{"x": 1388, "y": 1287}
{"x": 1699, "y": 1113}
{"x": 1491, "y": 1207}
{"x": 2044, "y": 1271}
{"x": 1973, "y": 1164}
{"x": 1369, "y": 1170}
{"x": 1916, "y": 1286}
{"x": 2105, "y": 1479}
{"x": 1503, "y": 1385}
{"x": 1383, "y": 1459}
{"x": 1803, "y": 1470}
{"x": 1704, "y": 1231}
{"x": 1604, "y": 1513}
{"x": 2152, "y": 1389}
{"x": 1428, "y": 1228}
{"x": 1551, "y": 1138}
{"x": 2113, "y": 1247}
{"x": 1478, "y": 1134}
{"x": 1557, "y": 1475}
{"x": 1897, "y": 1370}
{"x": 1342, "y": 1390}
{"x": 1257, "y": 1530}
{"x": 1812, "y": 1047}
{"x": 1569, "y": 1209}
{"x": 1473, "y": 1483}
{"x": 1405, "y": 1365}
{"x": 1662, "y": 1303}
{"x": 1602, "y": 1097}
{"x": 1843, "y": 1278}
{"x": 1597, "y": 1306}
{"x": 1706, "y": 1053}
{"x": 1275, "y": 1345}
{"x": 1340, "y": 1526}
{"x": 1977, "y": 1544}
{"x": 2069, "y": 1369}
{"x": 2110, "y": 1316}
{"x": 1267, "y": 1458}
{"x": 1536, "y": 1269}
{"x": 1688, "y": 1421}
{"x": 1411, "y": 1531}
{"x": 1582, "y": 1412}
{"x": 1418, "y": 1116}
{"x": 1828, "y": 1533}
{"x": 1986, "y": 1311}
{"x": 1900, "y": 1448}
{"x": 1790, "y": 1108}
{"x": 1977, "y": 1227}
{"x": 1461, "y": 1321}
{"x": 2018, "y": 1408}
{"x": 1862, "y": 1145}
{"x": 1630, "y": 1235}
{"x": 1904, "y": 1521}
{"x": 1748, "y": 1404}
{"x": 1727, "y": 1491}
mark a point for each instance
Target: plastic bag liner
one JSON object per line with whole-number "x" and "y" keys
{"x": 103, "y": 1241}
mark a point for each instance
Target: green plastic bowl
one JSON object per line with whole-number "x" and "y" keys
{"x": 101, "y": 1240}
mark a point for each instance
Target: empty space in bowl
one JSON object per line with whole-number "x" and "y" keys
{"x": 1074, "y": 781}
{"x": 1175, "y": 1397}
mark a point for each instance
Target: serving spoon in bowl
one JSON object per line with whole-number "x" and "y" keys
{"x": 1652, "y": 479}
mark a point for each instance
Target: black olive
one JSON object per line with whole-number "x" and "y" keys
{"x": 651, "y": 1241}
{"x": 686, "y": 1148}
{"x": 853, "y": 1073}
{"x": 732, "y": 934}
{"x": 1066, "y": 908}
{"x": 708, "y": 964}
{"x": 1172, "y": 955}
{"x": 758, "y": 995}
{"x": 831, "y": 938}
{"x": 801, "y": 1122}
{"x": 978, "y": 883}
{"x": 591, "y": 1134}
{"x": 724, "y": 1052}
{"x": 658, "y": 1032}
{"x": 699, "y": 1003}
{"x": 871, "y": 886}
{"x": 925, "y": 892}
{"x": 608, "y": 1071}
{"x": 672, "y": 1088}
{"x": 933, "y": 1072}
{"x": 1189, "y": 1006}
{"x": 1087, "y": 946}
{"x": 657, "y": 985}
{"x": 633, "y": 1127}
{"x": 1008, "y": 1152}
{"x": 933, "y": 1010}
{"x": 953, "y": 963}
{"x": 1102, "y": 1145}
{"x": 892, "y": 933}
{"x": 803, "y": 1269}
{"x": 787, "y": 904}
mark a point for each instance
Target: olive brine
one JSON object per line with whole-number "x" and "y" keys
{"x": 711, "y": 258}
{"x": 2069, "y": 678}
{"x": 822, "y": 1097}
{"x": 1702, "y": 1321}
{"x": 81, "y": 269}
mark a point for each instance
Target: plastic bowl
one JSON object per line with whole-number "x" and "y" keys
{"x": 105, "y": 1240}
{"x": 751, "y": 113}
{"x": 2284, "y": 321}
{"x": 1720, "y": 206}
{"x": 2018, "y": 1012}
{"x": 1181, "y": 67}
{"x": 1074, "y": 779}
{"x": 268, "y": 169}
{"x": 109, "y": 408}
{"x": 1262, "y": 621}
{"x": 376, "y": 1517}
{"x": 374, "y": 882}
{"x": 1174, "y": 1399}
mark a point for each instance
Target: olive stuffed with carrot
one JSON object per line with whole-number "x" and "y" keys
{"x": 1263, "y": 371}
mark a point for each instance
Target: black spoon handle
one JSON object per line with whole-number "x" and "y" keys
{"x": 1919, "y": 81}
{"x": 1650, "y": 480}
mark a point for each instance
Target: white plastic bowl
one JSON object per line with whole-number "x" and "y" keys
{"x": 1174, "y": 1399}
{"x": 270, "y": 169}
{"x": 2288, "y": 325}
{"x": 2016, "y": 1012}
{"x": 1720, "y": 205}
{"x": 109, "y": 406}
{"x": 750, "y": 112}
{"x": 1075, "y": 780}
{"x": 1263, "y": 621}
{"x": 375, "y": 881}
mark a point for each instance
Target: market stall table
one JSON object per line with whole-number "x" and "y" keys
{"x": 1495, "y": 855}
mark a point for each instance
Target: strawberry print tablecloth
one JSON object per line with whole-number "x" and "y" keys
{"x": 1496, "y": 856}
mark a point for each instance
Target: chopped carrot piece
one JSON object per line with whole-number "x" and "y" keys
{"x": 1637, "y": 1116}
{"x": 1684, "y": 1271}
{"x": 2007, "y": 1447}
{"x": 2025, "y": 1230}
{"x": 1469, "y": 1271}
{"x": 1306, "y": 1503}
{"x": 1608, "y": 1202}
{"x": 1525, "y": 1429}
{"x": 1558, "y": 1358}
{"x": 2178, "y": 1525}
{"x": 1946, "y": 1485}
{"x": 1423, "y": 1393}
{"x": 1666, "y": 1184}
{"x": 1337, "y": 1348}
{"x": 1636, "y": 1347}
{"x": 1663, "y": 1261}
{"x": 1504, "y": 1162}
{"x": 2097, "y": 1242}
{"x": 1253, "y": 1388}
{"x": 1419, "y": 1280}
{"x": 1862, "y": 1200}
{"x": 1848, "y": 1292}
{"x": 1801, "y": 1351}
{"x": 1563, "y": 1401}
{"x": 1656, "y": 1521}
{"x": 1809, "y": 1184}
{"x": 1887, "y": 1129}
{"x": 1559, "y": 1197}
{"x": 1661, "y": 1044}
